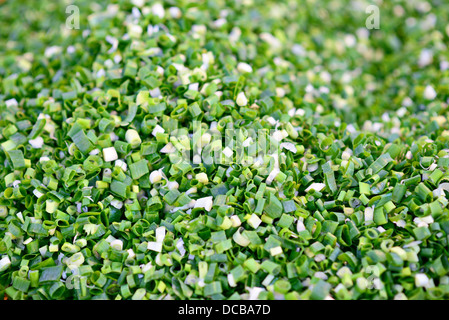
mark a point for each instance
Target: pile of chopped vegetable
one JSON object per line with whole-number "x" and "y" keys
{"x": 224, "y": 150}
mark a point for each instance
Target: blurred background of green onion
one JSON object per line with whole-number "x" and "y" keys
{"x": 93, "y": 120}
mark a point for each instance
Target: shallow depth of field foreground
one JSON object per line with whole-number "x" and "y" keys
{"x": 272, "y": 150}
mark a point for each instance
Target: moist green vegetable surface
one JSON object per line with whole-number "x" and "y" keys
{"x": 224, "y": 150}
